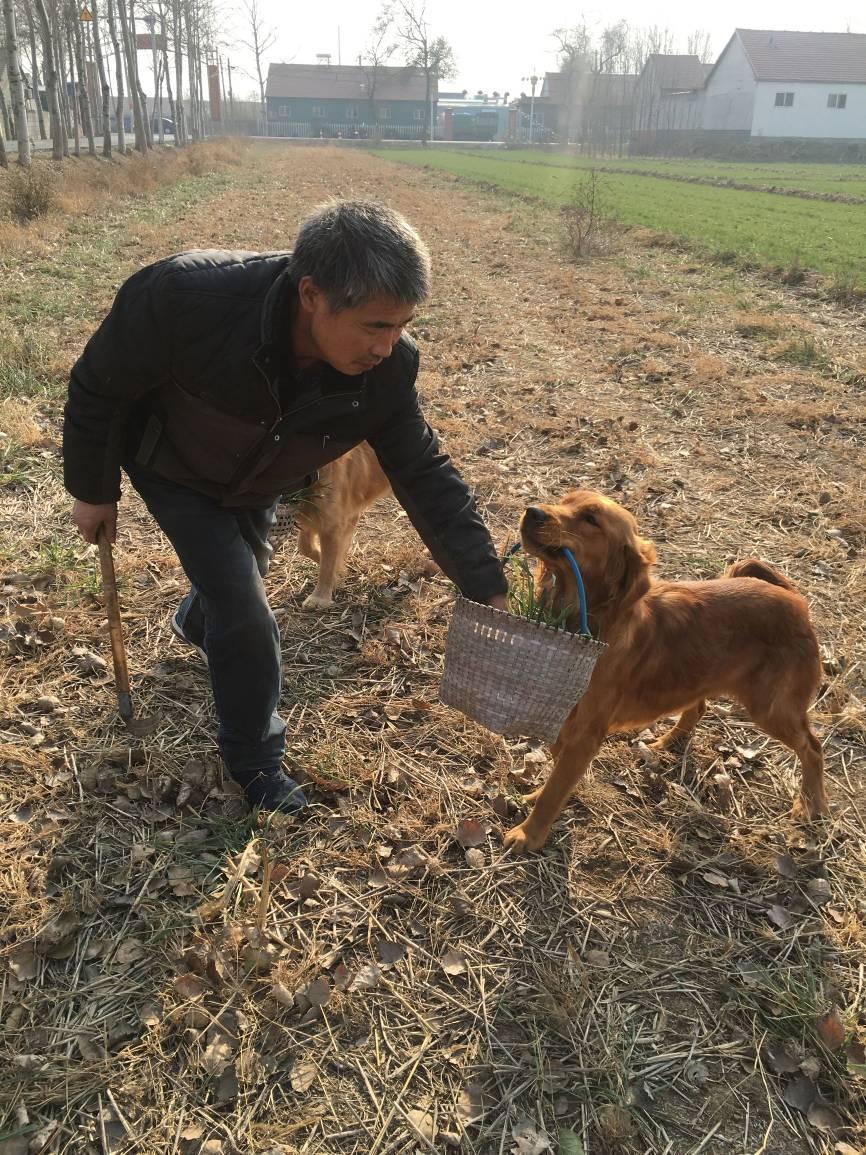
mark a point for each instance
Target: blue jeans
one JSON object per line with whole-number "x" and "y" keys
{"x": 225, "y": 554}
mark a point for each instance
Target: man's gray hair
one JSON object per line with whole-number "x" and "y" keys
{"x": 355, "y": 251}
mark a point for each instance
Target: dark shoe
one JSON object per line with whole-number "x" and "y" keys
{"x": 271, "y": 789}
{"x": 177, "y": 630}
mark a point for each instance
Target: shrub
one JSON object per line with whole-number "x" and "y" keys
{"x": 30, "y": 192}
{"x": 589, "y": 226}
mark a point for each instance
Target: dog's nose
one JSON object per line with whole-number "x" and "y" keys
{"x": 534, "y": 514}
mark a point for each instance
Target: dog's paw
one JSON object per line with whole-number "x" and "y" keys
{"x": 317, "y": 602}
{"x": 520, "y": 840}
{"x": 809, "y": 810}
{"x": 529, "y": 799}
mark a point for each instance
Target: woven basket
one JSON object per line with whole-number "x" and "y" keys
{"x": 514, "y": 676}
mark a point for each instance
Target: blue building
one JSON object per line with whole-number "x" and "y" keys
{"x": 348, "y": 101}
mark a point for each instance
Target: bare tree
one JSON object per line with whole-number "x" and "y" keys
{"x": 16, "y": 84}
{"x": 433, "y": 56}
{"x": 375, "y": 57}
{"x": 575, "y": 53}
{"x": 34, "y": 69}
{"x": 699, "y": 44}
{"x": 49, "y": 61}
{"x": 262, "y": 39}
{"x": 128, "y": 37}
{"x": 83, "y": 94}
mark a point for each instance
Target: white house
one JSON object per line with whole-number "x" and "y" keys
{"x": 788, "y": 85}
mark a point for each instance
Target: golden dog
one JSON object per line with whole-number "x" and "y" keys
{"x": 670, "y": 646}
{"x": 329, "y": 513}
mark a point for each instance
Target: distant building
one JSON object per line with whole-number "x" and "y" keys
{"x": 334, "y": 100}
{"x": 664, "y": 97}
{"x": 580, "y": 106}
{"x": 789, "y": 85}
{"x": 481, "y": 117}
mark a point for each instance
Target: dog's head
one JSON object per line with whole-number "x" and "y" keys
{"x": 614, "y": 559}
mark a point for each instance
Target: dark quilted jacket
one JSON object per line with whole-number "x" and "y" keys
{"x": 186, "y": 377}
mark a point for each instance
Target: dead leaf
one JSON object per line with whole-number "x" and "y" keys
{"x": 819, "y": 891}
{"x": 227, "y": 1089}
{"x": 130, "y": 951}
{"x": 528, "y": 1140}
{"x": 57, "y": 935}
{"x": 366, "y": 978}
{"x": 475, "y": 859}
{"x": 23, "y": 963}
{"x": 150, "y": 1014}
{"x": 823, "y": 1117}
{"x": 341, "y": 976}
{"x": 714, "y": 878}
{"x": 282, "y": 995}
{"x": 318, "y": 992}
{"x": 831, "y": 1030}
{"x": 191, "y": 1133}
{"x": 422, "y": 1122}
{"x": 841, "y": 1148}
{"x": 811, "y": 1067}
{"x": 308, "y": 885}
{"x": 786, "y": 866}
{"x": 88, "y": 662}
{"x": 800, "y": 1094}
{"x": 536, "y": 756}
{"x": 597, "y": 958}
{"x": 303, "y": 1075}
{"x": 40, "y": 1140}
{"x": 779, "y": 916}
{"x": 779, "y": 1059}
{"x": 211, "y": 1147}
{"x": 218, "y": 1053}
{"x": 697, "y": 1072}
{"x": 390, "y": 952}
{"x": 189, "y": 986}
{"x": 453, "y": 963}
{"x": 471, "y": 1104}
{"x": 470, "y": 833}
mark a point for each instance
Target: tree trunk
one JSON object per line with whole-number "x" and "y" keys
{"x": 193, "y": 85}
{"x": 428, "y": 119}
{"x": 180, "y": 120}
{"x": 118, "y": 70}
{"x": 34, "y": 70}
{"x": 73, "y": 96}
{"x": 58, "y": 133}
{"x": 103, "y": 84}
{"x": 148, "y": 125}
{"x": 4, "y": 160}
{"x": 16, "y": 85}
{"x": 132, "y": 76}
{"x": 59, "y": 43}
{"x": 83, "y": 94}
{"x": 171, "y": 106}
{"x": 5, "y": 121}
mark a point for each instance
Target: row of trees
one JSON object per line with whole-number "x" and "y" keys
{"x": 83, "y": 51}
{"x": 602, "y": 101}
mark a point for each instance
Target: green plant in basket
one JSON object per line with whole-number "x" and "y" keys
{"x": 525, "y": 601}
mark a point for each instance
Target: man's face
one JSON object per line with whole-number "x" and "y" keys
{"x": 352, "y": 340}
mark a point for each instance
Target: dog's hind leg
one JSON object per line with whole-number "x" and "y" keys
{"x": 786, "y": 721}
{"x": 335, "y": 541}
{"x": 308, "y": 543}
{"x": 681, "y": 731}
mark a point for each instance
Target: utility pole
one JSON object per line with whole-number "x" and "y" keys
{"x": 533, "y": 80}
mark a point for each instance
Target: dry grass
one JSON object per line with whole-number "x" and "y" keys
{"x": 180, "y": 980}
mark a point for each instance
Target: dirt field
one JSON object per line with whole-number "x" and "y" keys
{"x": 680, "y": 972}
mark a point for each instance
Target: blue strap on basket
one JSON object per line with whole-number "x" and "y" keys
{"x": 581, "y": 592}
{"x": 575, "y": 569}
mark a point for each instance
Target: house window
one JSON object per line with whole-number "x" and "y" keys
{"x": 319, "y": 110}
{"x": 837, "y": 100}
{"x": 784, "y": 99}
{"x": 285, "y": 111}
{"x": 384, "y": 112}
{"x": 418, "y": 114}
{"x": 351, "y": 112}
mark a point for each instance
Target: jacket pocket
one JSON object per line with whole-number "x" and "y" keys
{"x": 210, "y": 443}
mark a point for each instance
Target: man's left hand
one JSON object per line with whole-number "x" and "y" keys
{"x": 499, "y": 602}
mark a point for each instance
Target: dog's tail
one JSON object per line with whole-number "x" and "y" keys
{"x": 750, "y": 567}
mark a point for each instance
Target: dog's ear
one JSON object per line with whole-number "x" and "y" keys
{"x": 628, "y": 575}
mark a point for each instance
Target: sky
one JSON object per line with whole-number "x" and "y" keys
{"x": 499, "y": 42}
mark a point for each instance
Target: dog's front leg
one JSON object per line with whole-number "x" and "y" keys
{"x": 572, "y": 762}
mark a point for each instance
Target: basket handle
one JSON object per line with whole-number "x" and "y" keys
{"x": 581, "y": 592}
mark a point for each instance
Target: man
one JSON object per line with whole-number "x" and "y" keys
{"x": 221, "y": 380}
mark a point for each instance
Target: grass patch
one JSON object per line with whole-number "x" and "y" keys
{"x": 752, "y": 228}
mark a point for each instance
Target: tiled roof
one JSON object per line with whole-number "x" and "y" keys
{"x": 344, "y": 82}
{"x": 831, "y": 57}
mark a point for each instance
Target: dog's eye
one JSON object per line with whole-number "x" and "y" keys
{"x": 591, "y": 519}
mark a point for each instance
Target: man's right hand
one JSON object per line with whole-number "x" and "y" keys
{"x": 88, "y": 519}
